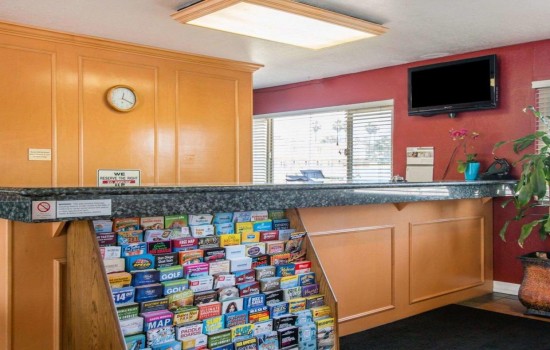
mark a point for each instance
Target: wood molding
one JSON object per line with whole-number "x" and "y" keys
{"x": 363, "y": 314}
{"x": 119, "y": 46}
{"x": 59, "y": 280}
{"x": 445, "y": 292}
{"x": 237, "y": 133}
{"x": 351, "y": 230}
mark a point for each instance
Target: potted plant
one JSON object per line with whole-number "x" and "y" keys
{"x": 529, "y": 194}
{"x": 468, "y": 166}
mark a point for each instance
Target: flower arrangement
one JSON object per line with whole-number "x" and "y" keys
{"x": 465, "y": 139}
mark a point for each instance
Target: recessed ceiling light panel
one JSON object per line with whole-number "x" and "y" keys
{"x": 282, "y": 21}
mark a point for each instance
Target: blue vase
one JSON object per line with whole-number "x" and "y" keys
{"x": 471, "y": 172}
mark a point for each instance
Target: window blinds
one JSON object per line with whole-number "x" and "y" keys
{"x": 260, "y": 151}
{"x": 309, "y": 142}
{"x": 345, "y": 144}
{"x": 370, "y": 146}
{"x": 542, "y": 98}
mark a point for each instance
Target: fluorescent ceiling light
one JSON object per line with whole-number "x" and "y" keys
{"x": 283, "y": 21}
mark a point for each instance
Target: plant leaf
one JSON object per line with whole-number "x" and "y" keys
{"x": 538, "y": 179}
{"x": 506, "y": 202}
{"x": 526, "y": 141}
{"x": 526, "y": 231}
{"x": 498, "y": 144}
{"x": 544, "y": 229}
{"x": 524, "y": 191}
{"x": 503, "y": 230}
{"x": 523, "y": 143}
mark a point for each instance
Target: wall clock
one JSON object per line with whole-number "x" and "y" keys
{"x": 122, "y": 98}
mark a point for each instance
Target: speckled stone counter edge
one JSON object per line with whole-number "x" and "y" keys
{"x": 16, "y": 203}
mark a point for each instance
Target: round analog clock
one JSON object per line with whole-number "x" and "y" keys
{"x": 122, "y": 98}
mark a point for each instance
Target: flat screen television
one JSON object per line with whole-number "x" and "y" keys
{"x": 450, "y": 87}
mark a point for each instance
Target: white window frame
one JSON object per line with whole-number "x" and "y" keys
{"x": 542, "y": 103}
{"x": 351, "y": 107}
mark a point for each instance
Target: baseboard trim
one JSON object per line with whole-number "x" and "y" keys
{"x": 505, "y": 287}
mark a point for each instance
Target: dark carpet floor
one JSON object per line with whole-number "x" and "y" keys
{"x": 454, "y": 327}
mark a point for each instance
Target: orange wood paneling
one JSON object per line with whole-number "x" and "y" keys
{"x": 34, "y": 286}
{"x": 207, "y": 124}
{"x": 27, "y": 114}
{"x": 372, "y": 250}
{"x": 53, "y": 97}
{"x": 445, "y": 256}
{"x": 193, "y": 121}
{"x": 110, "y": 139}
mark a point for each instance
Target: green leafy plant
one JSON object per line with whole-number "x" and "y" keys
{"x": 463, "y": 137}
{"x": 531, "y": 188}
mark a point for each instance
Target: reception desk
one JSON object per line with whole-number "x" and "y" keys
{"x": 384, "y": 251}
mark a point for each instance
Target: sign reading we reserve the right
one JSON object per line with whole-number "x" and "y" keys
{"x": 118, "y": 178}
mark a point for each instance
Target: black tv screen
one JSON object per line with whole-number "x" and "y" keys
{"x": 450, "y": 87}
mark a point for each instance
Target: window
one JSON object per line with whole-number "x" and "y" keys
{"x": 542, "y": 103}
{"x": 343, "y": 143}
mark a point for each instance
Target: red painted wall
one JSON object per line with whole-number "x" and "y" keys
{"x": 519, "y": 65}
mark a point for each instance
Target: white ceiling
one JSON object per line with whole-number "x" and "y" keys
{"x": 417, "y": 30}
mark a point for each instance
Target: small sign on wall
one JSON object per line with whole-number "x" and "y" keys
{"x": 118, "y": 178}
{"x": 40, "y": 154}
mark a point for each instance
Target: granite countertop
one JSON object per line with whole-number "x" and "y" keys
{"x": 73, "y": 203}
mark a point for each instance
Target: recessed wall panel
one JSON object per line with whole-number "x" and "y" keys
{"x": 359, "y": 268}
{"x": 445, "y": 256}
{"x": 27, "y": 110}
{"x": 116, "y": 140}
{"x": 207, "y": 121}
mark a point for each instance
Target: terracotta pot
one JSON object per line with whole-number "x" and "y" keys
{"x": 534, "y": 291}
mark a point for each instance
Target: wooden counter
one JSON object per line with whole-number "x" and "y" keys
{"x": 388, "y": 250}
